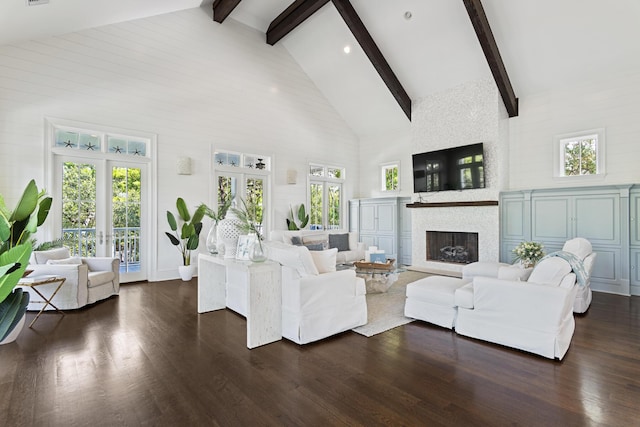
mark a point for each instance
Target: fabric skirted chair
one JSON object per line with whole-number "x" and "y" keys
{"x": 88, "y": 279}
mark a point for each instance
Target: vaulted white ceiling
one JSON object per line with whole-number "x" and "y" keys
{"x": 545, "y": 44}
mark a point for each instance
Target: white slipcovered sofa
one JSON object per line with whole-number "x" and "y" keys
{"x": 88, "y": 279}
{"x": 317, "y": 300}
{"x": 531, "y": 310}
{"x": 349, "y": 249}
{"x": 578, "y": 246}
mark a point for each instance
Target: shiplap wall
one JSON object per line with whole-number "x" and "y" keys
{"x": 194, "y": 83}
{"x": 611, "y": 104}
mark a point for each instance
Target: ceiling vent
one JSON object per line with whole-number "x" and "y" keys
{"x": 36, "y": 2}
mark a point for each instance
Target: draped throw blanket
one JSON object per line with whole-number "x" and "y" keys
{"x": 576, "y": 265}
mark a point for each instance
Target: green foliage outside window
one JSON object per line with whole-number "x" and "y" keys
{"x": 580, "y": 157}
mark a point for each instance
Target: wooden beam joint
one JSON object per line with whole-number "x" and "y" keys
{"x": 222, "y": 9}
{"x": 291, "y": 17}
{"x": 492, "y": 54}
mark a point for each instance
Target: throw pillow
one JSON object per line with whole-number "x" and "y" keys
{"x": 315, "y": 246}
{"x": 550, "y": 271}
{"x": 325, "y": 261}
{"x": 315, "y": 238}
{"x": 296, "y": 257}
{"x": 296, "y": 240}
{"x": 339, "y": 241}
{"x": 74, "y": 260}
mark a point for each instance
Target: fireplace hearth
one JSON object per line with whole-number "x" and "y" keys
{"x": 452, "y": 247}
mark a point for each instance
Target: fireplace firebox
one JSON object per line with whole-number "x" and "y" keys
{"x": 452, "y": 246}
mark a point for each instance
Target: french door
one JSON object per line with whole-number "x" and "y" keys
{"x": 325, "y": 205}
{"x": 100, "y": 210}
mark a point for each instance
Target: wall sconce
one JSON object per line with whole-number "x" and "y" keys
{"x": 292, "y": 176}
{"x": 184, "y": 165}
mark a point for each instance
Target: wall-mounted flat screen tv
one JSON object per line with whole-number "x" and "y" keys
{"x": 457, "y": 168}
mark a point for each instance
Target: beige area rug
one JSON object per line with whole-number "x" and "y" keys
{"x": 386, "y": 310}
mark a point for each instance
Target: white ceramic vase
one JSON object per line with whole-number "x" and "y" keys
{"x": 16, "y": 331}
{"x": 186, "y": 272}
{"x": 229, "y": 231}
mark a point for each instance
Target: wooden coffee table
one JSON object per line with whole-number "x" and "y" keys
{"x": 33, "y": 282}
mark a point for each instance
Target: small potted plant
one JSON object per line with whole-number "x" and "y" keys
{"x": 185, "y": 234}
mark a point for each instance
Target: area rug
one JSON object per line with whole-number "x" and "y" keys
{"x": 386, "y": 310}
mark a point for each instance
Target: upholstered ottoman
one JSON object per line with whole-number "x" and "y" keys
{"x": 432, "y": 299}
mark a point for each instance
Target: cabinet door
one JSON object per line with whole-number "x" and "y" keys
{"x": 387, "y": 218}
{"x": 367, "y": 218}
{"x": 513, "y": 219}
{"x": 388, "y": 245}
{"x": 551, "y": 219}
{"x": 354, "y": 215}
{"x": 597, "y": 218}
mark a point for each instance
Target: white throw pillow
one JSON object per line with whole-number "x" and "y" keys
{"x": 514, "y": 272}
{"x": 296, "y": 257}
{"x": 550, "y": 271}
{"x": 74, "y": 260}
{"x": 325, "y": 260}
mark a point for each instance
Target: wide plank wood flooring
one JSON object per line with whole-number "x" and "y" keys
{"x": 147, "y": 358}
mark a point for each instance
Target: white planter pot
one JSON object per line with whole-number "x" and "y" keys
{"x": 186, "y": 272}
{"x": 16, "y": 331}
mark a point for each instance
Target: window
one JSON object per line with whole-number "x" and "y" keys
{"x": 470, "y": 169}
{"x": 244, "y": 176}
{"x": 580, "y": 154}
{"x": 390, "y": 176}
{"x": 325, "y": 197}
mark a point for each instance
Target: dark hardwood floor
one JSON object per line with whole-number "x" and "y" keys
{"x": 147, "y": 358}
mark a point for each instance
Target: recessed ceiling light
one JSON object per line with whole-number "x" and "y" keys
{"x": 347, "y": 49}
{"x": 408, "y": 15}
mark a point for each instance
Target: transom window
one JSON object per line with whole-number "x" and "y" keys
{"x": 580, "y": 154}
{"x": 100, "y": 142}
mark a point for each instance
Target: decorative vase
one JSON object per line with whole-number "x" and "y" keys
{"x": 258, "y": 251}
{"x": 212, "y": 239}
{"x": 229, "y": 231}
{"x": 16, "y": 331}
{"x": 186, "y": 272}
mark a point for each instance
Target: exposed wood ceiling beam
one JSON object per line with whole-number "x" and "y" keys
{"x": 369, "y": 47}
{"x": 491, "y": 52}
{"x": 222, "y": 9}
{"x": 292, "y": 16}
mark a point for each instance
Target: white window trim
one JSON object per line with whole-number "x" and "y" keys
{"x": 383, "y": 167}
{"x": 558, "y": 155}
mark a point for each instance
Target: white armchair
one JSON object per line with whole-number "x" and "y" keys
{"x": 88, "y": 279}
{"x": 317, "y": 301}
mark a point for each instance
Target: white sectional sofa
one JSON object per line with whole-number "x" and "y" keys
{"x": 349, "y": 249}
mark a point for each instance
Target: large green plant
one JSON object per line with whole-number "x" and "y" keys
{"x": 186, "y": 229}
{"x": 16, "y": 229}
{"x": 303, "y": 218}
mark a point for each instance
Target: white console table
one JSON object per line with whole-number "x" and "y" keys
{"x": 264, "y": 294}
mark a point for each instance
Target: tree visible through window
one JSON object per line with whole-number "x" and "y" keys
{"x": 580, "y": 156}
{"x": 390, "y": 177}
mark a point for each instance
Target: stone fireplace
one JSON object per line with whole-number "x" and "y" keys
{"x": 452, "y": 247}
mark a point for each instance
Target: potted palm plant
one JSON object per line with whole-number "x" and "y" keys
{"x": 16, "y": 229}
{"x": 185, "y": 234}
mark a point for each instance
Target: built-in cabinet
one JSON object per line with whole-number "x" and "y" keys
{"x": 385, "y": 223}
{"x": 600, "y": 214}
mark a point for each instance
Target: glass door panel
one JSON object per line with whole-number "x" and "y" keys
{"x": 317, "y": 206}
{"x": 126, "y": 203}
{"x": 334, "y": 207}
{"x": 79, "y": 207}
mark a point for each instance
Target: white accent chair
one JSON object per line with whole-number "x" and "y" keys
{"x": 317, "y": 300}
{"x": 88, "y": 279}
